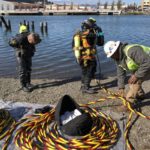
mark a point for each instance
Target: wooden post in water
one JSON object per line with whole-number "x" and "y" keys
{"x": 0, "y": 23}
{"x": 4, "y": 22}
{"x": 41, "y": 27}
{"x": 9, "y": 25}
{"x": 24, "y": 22}
{"x": 32, "y": 26}
{"x": 45, "y": 27}
{"x": 28, "y": 25}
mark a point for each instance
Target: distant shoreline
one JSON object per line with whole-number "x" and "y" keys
{"x": 70, "y": 12}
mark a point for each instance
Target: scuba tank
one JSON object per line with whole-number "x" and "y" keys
{"x": 77, "y": 42}
{"x": 77, "y": 45}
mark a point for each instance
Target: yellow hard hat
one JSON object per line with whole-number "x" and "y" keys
{"x": 23, "y": 28}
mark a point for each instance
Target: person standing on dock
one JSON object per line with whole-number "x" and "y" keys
{"x": 84, "y": 46}
{"x": 24, "y": 43}
{"x": 134, "y": 58}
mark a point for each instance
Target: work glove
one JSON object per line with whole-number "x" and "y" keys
{"x": 133, "y": 79}
{"x": 121, "y": 92}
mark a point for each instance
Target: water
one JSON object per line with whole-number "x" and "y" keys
{"x": 54, "y": 56}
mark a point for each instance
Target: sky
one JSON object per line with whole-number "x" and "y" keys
{"x": 95, "y": 1}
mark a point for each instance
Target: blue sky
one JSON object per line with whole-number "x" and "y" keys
{"x": 95, "y": 1}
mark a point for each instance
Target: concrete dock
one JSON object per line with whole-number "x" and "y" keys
{"x": 59, "y": 12}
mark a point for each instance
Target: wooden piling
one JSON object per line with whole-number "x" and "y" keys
{"x": 24, "y": 22}
{"x": 45, "y": 27}
{"x": 4, "y": 22}
{"x": 41, "y": 27}
{"x": 9, "y": 24}
{"x": 28, "y": 25}
{"x": 32, "y": 26}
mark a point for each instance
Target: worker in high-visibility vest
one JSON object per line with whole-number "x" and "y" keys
{"x": 134, "y": 58}
{"x": 84, "y": 46}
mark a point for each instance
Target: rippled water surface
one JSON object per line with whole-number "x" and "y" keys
{"x": 54, "y": 57}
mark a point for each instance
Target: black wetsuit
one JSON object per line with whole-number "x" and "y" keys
{"x": 24, "y": 54}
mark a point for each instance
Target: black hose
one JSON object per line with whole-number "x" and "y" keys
{"x": 99, "y": 68}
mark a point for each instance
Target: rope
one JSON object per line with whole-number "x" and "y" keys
{"x": 6, "y": 121}
{"x": 132, "y": 111}
{"x": 40, "y": 131}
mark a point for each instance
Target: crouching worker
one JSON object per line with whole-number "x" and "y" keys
{"x": 24, "y": 43}
{"x": 134, "y": 58}
{"x": 84, "y": 46}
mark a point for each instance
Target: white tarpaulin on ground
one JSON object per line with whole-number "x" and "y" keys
{"x": 20, "y": 109}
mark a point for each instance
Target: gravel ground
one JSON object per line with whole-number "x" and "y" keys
{"x": 50, "y": 91}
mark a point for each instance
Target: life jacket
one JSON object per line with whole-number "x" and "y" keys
{"x": 131, "y": 64}
{"x": 84, "y": 45}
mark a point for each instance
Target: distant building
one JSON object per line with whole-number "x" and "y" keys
{"x": 5, "y": 5}
{"x": 9, "y": 5}
{"x": 145, "y": 4}
{"x": 109, "y": 7}
{"x": 67, "y": 7}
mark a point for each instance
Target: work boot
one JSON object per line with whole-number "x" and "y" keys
{"x": 140, "y": 95}
{"x": 87, "y": 90}
{"x": 26, "y": 89}
{"x": 30, "y": 86}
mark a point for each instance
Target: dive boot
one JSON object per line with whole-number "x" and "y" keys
{"x": 26, "y": 89}
{"x": 88, "y": 90}
{"x": 30, "y": 86}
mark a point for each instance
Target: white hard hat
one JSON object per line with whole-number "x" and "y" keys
{"x": 110, "y": 48}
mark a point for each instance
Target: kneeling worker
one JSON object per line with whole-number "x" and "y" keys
{"x": 134, "y": 58}
{"x": 24, "y": 43}
{"x": 84, "y": 46}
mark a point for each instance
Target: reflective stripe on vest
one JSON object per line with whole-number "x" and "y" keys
{"x": 132, "y": 66}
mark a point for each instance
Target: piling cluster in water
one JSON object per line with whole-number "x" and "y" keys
{"x": 30, "y": 25}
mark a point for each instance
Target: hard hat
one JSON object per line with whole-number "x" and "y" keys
{"x": 110, "y": 48}
{"x": 23, "y": 28}
{"x": 92, "y": 20}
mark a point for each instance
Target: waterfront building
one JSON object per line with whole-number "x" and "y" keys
{"x": 145, "y": 4}
{"x": 10, "y": 5}
{"x": 67, "y": 7}
{"x": 5, "y": 5}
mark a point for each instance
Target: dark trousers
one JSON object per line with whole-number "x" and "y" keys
{"x": 88, "y": 72}
{"x": 25, "y": 64}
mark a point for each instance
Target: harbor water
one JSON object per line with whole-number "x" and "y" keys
{"x": 54, "y": 57}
